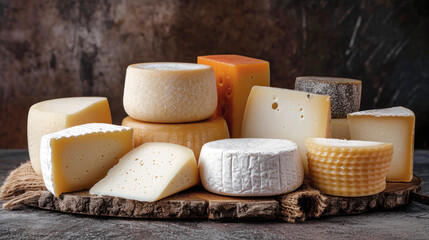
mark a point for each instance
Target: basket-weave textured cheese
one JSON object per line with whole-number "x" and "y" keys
{"x": 170, "y": 92}
{"x": 348, "y": 168}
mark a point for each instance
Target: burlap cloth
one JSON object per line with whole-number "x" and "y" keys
{"x": 24, "y": 187}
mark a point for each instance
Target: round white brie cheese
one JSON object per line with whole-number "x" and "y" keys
{"x": 250, "y": 167}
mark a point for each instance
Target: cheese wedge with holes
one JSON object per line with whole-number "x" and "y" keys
{"x": 287, "y": 114}
{"x": 340, "y": 128}
{"x": 76, "y": 158}
{"x": 170, "y": 92}
{"x": 394, "y": 125}
{"x": 251, "y": 167}
{"x": 348, "y": 168}
{"x": 150, "y": 172}
{"x": 57, "y": 114}
{"x": 235, "y": 77}
{"x": 191, "y": 135}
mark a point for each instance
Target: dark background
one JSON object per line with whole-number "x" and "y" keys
{"x": 51, "y": 49}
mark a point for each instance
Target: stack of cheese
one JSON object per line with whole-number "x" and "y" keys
{"x": 172, "y": 102}
{"x": 167, "y": 104}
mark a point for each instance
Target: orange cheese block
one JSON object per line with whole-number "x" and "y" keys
{"x": 348, "y": 168}
{"x": 235, "y": 77}
{"x": 192, "y": 135}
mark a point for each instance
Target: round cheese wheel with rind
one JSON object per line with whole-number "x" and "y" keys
{"x": 348, "y": 168}
{"x": 251, "y": 167}
{"x": 345, "y": 93}
{"x": 192, "y": 135}
{"x": 170, "y": 92}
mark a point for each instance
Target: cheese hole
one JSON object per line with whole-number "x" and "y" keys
{"x": 275, "y": 105}
{"x": 228, "y": 92}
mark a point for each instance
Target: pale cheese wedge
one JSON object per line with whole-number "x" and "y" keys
{"x": 150, "y": 172}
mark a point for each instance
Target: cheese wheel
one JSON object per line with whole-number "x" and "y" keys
{"x": 345, "y": 93}
{"x": 348, "y": 168}
{"x": 191, "y": 135}
{"x": 150, "y": 172}
{"x": 57, "y": 114}
{"x": 76, "y": 158}
{"x": 251, "y": 167}
{"x": 170, "y": 92}
{"x": 340, "y": 128}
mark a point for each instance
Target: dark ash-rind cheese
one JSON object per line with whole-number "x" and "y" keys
{"x": 345, "y": 93}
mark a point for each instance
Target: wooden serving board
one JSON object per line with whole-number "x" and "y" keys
{"x": 197, "y": 203}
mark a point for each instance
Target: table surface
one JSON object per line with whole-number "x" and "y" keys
{"x": 410, "y": 222}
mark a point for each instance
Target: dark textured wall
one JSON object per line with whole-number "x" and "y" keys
{"x": 51, "y": 49}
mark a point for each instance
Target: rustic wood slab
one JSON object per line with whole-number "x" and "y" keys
{"x": 395, "y": 195}
{"x": 196, "y": 203}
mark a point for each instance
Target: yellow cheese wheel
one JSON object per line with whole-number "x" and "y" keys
{"x": 348, "y": 168}
{"x": 191, "y": 135}
{"x": 170, "y": 92}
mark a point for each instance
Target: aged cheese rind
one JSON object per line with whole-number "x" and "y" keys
{"x": 57, "y": 114}
{"x": 345, "y": 93}
{"x": 76, "y": 158}
{"x": 340, "y": 128}
{"x": 235, "y": 77}
{"x": 395, "y": 125}
{"x": 250, "y": 167}
{"x": 348, "y": 168}
{"x": 287, "y": 114}
{"x": 170, "y": 92}
{"x": 150, "y": 172}
{"x": 191, "y": 135}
